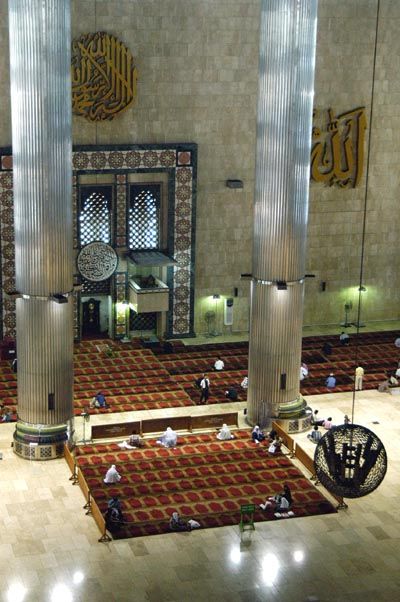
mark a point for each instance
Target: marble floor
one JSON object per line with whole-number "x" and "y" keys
{"x": 49, "y": 549}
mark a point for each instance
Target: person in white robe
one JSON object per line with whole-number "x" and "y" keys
{"x": 169, "y": 438}
{"x": 112, "y": 475}
{"x": 225, "y": 433}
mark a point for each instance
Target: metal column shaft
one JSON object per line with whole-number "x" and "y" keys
{"x": 284, "y": 121}
{"x": 42, "y": 166}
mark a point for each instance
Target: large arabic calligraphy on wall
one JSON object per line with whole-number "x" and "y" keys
{"x": 104, "y": 77}
{"x": 337, "y": 155}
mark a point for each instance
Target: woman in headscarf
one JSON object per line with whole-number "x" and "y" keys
{"x": 257, "y": 435}
{"x": 169, "y": 438}
{"x": 112, "y": 475}
{"x": 225, "y": 434}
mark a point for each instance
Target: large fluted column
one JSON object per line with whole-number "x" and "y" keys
{"x": 41, "y": 135}
{"x": 284, "y": 121}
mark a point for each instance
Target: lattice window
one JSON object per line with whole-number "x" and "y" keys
{"x": 144, "y": 216}
{"x": 95, "y": 214}
{"x": 96, "y": 288}
{"x": 46, "y": 452}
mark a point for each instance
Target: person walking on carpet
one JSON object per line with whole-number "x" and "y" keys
{"x": 205, "y": 389}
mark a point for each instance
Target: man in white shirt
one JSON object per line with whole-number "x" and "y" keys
{"x": 359, "y": 377}
{"x": 219, "y": 364}
{"x": 205, "y": 389}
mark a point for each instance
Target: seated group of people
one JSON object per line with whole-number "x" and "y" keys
{"x": 275, "y": 442}
{"x": 327, "y": 423}
{"x": 283, "y": 501}
{"x": 177, "y": 523}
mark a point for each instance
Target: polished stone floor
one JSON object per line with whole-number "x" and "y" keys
{"x": 49, "y": 549}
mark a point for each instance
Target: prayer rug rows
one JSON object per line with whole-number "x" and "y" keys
{"x": 137, "y": 378}
{"x": 202, "y": 478}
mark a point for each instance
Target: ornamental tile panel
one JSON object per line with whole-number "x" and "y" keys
{"x": 181, "y": 166}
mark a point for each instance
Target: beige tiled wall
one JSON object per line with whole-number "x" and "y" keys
{"x": 197, "y": 63}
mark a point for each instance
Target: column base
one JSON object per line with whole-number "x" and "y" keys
{"x": 293, "y": 416}
{"x": 38, "y": 442}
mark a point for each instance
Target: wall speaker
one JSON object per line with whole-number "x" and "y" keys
{"x": 323, "y": 286}
{"x": 234, "y": 183}
{"x": 236, "y": 292}
{"x": 283, "y": 382}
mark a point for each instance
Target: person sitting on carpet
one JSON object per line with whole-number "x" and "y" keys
{"x": 245, "y": 383}
{"x": 231, "y": 394}
{"x": 176, "y": 523}
{"x": 384, "y": 386}
{"x": 272, "y": 435}
{"x": 330, "y": 381}
{"x": 99, "y": 401}
{"x": 112, "y": 475}
{"x": 344, "y": 338}
{"x": 7, "y": 416}
{"x": 315, "y": 419}
{"x": 225, "y": 433}
{"x": 219, "y": 364}
{"x": 131, "y": 443}
{"x": 275, "y": 446}
{"x": 303, "y": 371}
{"x": 169, "y": 438}
{"x": 257, "y": 435}
{"x": 114, "y": 510}
{"x": 327, "y": 349}
{"x": 315, "y": 434}
{"x": 282, "y": 500}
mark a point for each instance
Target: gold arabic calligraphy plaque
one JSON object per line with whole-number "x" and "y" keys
{"x": 104, "y": 77}
{"x": 337, "y": 155}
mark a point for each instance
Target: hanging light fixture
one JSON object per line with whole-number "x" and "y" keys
{"x": 350, "y": 460}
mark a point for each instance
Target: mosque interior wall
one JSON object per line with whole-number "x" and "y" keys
{"x": 198, "y": 74}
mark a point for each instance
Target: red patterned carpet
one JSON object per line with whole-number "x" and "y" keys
{"x": 202, "y": 478}
{"x": 136, "y": 378}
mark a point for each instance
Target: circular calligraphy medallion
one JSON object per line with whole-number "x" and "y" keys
{"x": 350, "y": 461}
{"x": 97, "y": 261}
